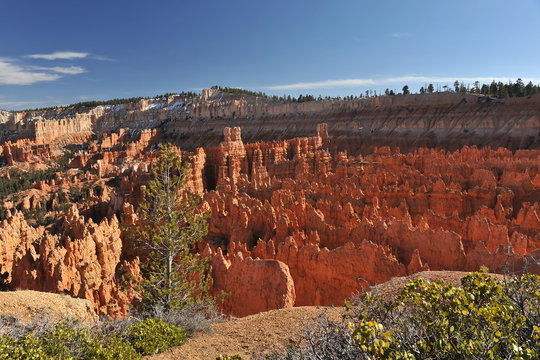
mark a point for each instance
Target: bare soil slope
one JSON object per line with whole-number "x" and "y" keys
{"x": 28, "y": 305}
{"x": 247, "y": 336}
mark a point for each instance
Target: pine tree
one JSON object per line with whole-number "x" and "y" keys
{"x": 406, "y": 90}
{"x": 170, "y": 224}
{"x": 518, "y": 88}
{"x": 493, "y": 88}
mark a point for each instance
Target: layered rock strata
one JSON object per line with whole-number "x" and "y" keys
{"x": 442, "y": 120}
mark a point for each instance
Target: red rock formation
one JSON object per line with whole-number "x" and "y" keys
{"x": 252, "y": 286}
{"x": 83, "y": 262}
{"x": 335, "y": 221}
{"x": 26, "y": 151}
{"x": 293, "y": 222}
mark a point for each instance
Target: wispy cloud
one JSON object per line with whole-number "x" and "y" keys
{"x": 15, "y": 71}
{"x": 323, "y": 84}
{"x": 69, "y": 70}
{"x": 60, "y": 55}
{"x": 20, "y": 104}
{"x": 15, "y": 74}
{"x": 400, "y": 35}
{"x": 101, "y": 58}
{"x": 357, "y": 82}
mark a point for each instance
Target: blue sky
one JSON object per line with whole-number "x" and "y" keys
{"x": 59, "y": 52}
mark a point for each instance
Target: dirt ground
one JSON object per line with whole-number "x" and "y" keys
{"x": 247, "y": 336}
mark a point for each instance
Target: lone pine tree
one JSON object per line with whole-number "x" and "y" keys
{"x": 170, "y": 224}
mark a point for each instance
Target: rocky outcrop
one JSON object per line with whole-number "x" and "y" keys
{"x": 26, "y": 151}
{"x": 251, "y": 286}
{"x": 340, "y": 224}
{"x": 83, "y": 262}
{"x": 67, "y": 131}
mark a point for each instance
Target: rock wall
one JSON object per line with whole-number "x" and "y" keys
{"x": 5, "y": 116}
{"x": 445, "y": 120}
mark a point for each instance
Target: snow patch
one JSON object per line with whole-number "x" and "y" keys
{"x": 176, "y": 105}
{"x": 155, "y": 106}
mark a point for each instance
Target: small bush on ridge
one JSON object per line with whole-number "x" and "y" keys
{"x": 152, "y": 336}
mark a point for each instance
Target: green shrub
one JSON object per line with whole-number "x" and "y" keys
{"x": 66, "y": 342}
{"x": 226, "y": 357}
{"x": 25, "y": 348}
{"x": 482, "y": 319}
{"x": 109, "y": 347}
{"x": 77, "y": 194}
{"x": 152, "y": 336}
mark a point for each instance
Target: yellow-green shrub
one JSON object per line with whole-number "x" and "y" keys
{"x": 483, "y": 319}
{"x": 66, "y": 341}
{"x": 152, "y": 336}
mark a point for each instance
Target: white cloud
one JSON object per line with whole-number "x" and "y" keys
{"x": 69, "y": 70}
{"x": 323, "y": 84}
{"x": 14, "y": 74}
{"x": 60, "y": 55}
{"x": 391, "y": 80}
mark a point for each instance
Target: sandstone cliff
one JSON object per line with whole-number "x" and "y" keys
{"x": 444, "y": 120}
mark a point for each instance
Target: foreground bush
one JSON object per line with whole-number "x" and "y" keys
{"x": 123, "y": 340}
{"x": 482, "y": 319}
{"x": 152, "y": 336}
{"x": 65, "y": 341}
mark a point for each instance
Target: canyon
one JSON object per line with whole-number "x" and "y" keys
{"x": 310, "y": 202}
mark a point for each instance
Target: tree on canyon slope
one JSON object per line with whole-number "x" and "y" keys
{"x": 170, "y": 224}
